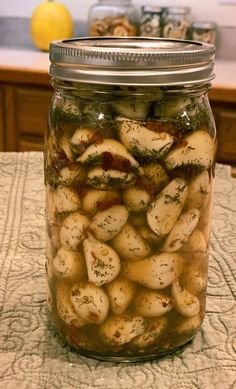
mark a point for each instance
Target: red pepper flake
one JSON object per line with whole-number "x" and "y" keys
{"x": 164, "y": 304}
{"x": 94, "y": 255}
{"x": 117, "y": 334}
{"x": 107, "y": 160}
{"x": 110, "y": 161}
{"x": 173, "y": 243}
{"x": 105, "y": 204}
{"x": 93, "y": 316}
{"x": 97, "y": 138}
{"x": 81, "y": 147}
{"x": 158, "y": 126}
{"x": 146, "y": 184}
{"x": 180, "y": 142}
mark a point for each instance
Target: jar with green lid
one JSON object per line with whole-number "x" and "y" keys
{"x": 113, "y": 18}
{"x": 129, "y": 167}
{"x": 176, "y": 22}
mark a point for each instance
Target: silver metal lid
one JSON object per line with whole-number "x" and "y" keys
{"x": 152, "y": 9}
{"x": 178, "y": 10}
{"x": 204, "y": 25}
{"x": 136, "y": 61}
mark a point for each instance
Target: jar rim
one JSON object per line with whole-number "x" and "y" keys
{"x": 136, "y": 60}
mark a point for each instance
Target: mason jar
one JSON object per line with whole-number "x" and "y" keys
{"x": 112, "y": 18}
{"x": 151, "y": 21}
{"x": 176, "y": 22}
{"x": 129, "y": 167}
{"x": 203, "y": 31}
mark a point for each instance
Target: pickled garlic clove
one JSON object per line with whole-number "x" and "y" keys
{"x": 193, "y": 279}
{"x": 97, "y": 199}
{"x": 121, "y": 292}
{"x": 109, "y": 179}
{"x": 68, "y": 264}
{"x": 132, "y": 109}
{"x": 72, "y": 175}
{"x": 182, "y": 230}
{"x": 70, "y": 106}
{"x": 94, "y": 152}
{"x": 191, "y": 324}
{"x": 103, "y": 263}
{"x": 130, "y": 245}
{"x": 105, "y": 225}
{"x": 184, "y": 302}
{"x": 66, "y": 199}
{"x": 154, "y": 329}
{"x": 72, "y": 230}
{"x": 65, "y": 307}
{"x": 163, "y": 212}
{"x": 82, "y": 137}
{"x": 65, "y": 145}
{"x": 143, "y": 142}
{"x": 119, "y": 330}
{"x": 90, "y": 302}
{"x": 149, "y": 303}
{"x": 172, "y": 107}
{"x": 153, "y": 177}
{"x": 197, "y": 149}
{"x": 138, "y": 219}
{"x": 196, "y": 242}
{"x": 136, "y": 199}
{"x": 198, "y": 191}
{"x": 148, "y": 235}
{"x": 50, "y": 212}
{"x": 155, "y": 272}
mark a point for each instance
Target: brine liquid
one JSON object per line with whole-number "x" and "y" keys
{"x": 128, "y": 183}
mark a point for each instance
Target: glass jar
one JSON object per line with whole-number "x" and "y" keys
{"x": 129, "y": 166}
{"x": 112, "y": 18}
{"x": 203, "y": 32}
{"x": 176, "y": 22}
{"x": 151, "y": 21}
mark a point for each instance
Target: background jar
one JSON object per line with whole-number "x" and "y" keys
{"x": 203, "y": 32}
{"x": 129, "y": 166}
{"x": 112, "y": 18}
{"x": 176, "y": 22}
{"x": 151, "y": 21}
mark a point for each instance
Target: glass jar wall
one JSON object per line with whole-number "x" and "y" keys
{"x": 112, "y": 18}
{"x": 128, "y": 175}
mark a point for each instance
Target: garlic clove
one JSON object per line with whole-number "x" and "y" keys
{"x": 103, "y": 263}
{"x": 185, "y": 302}
{"x": 90, "y": 302}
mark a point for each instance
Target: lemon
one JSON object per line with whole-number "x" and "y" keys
{"x": 50, "y": 21}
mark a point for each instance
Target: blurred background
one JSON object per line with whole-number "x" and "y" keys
{"x": 15, "y": 17}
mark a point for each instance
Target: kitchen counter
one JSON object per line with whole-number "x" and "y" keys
{"x": 19, "y": 64}
{"x": 31, "y": 353}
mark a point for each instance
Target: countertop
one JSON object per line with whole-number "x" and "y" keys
{"x": 31, "y": 354}
{"x": 37, "y": 62}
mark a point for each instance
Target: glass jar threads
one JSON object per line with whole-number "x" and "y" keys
{"x": 129, "y": 166}
{"x": 112, "y": 18}
{"x": 204, "y": 32}
{"x": 176, "y": 22}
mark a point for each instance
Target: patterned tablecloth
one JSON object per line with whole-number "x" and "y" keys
{"x": 33, "y": 357}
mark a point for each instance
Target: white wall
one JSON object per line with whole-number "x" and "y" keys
{"x": 212, "y": 10}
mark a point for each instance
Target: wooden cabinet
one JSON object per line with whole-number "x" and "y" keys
{"x": 2, "y": 120}
{"x": 26, "y": 110}
{"x": 225, "y": 117}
